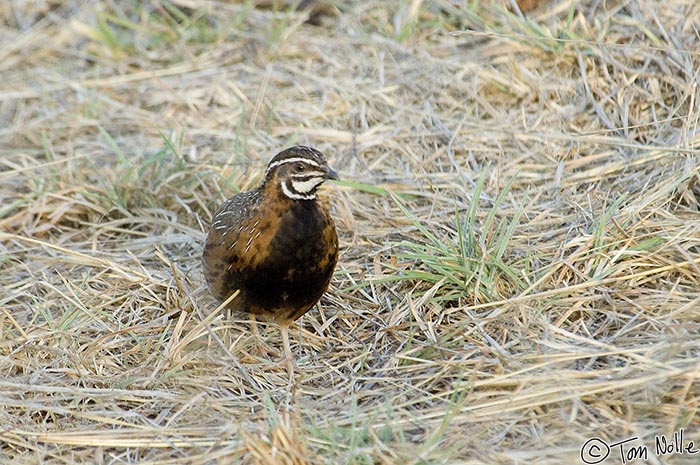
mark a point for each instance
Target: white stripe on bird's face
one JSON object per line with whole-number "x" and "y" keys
{"x": 307, "y": 186}
{"x": 294, "y": 195}
{"x": 274, "y": 165}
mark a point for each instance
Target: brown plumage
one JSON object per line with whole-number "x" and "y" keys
{"x": 277, "y": 243}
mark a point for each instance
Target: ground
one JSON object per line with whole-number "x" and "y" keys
{"x": 519, "y": 278}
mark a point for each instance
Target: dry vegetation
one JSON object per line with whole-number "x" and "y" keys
{"x": 520, "y": 265}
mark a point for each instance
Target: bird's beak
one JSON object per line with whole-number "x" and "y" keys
{"x": 331, "y": 174}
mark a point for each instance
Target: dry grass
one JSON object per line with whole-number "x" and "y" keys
{"x": 520, "y": 265}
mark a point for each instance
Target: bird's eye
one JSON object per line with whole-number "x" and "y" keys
{"x": 299, "y": 167}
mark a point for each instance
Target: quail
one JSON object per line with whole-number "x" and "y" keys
{"x": 276, "y": 244}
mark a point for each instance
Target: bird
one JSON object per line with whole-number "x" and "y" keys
{"x": 276, "y": 245}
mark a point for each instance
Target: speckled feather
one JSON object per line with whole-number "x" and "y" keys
{"x": 278, "y": 251}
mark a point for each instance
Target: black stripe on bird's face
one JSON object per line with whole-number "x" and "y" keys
{"x": 303, "y": 187}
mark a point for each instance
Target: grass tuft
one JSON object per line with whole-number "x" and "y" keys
{"x": 460, "y": 263}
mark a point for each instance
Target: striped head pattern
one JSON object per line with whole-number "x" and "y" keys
{"x": 299, "y": 170}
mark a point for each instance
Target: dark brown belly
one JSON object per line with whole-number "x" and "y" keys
{"x": 294, "y": 270}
